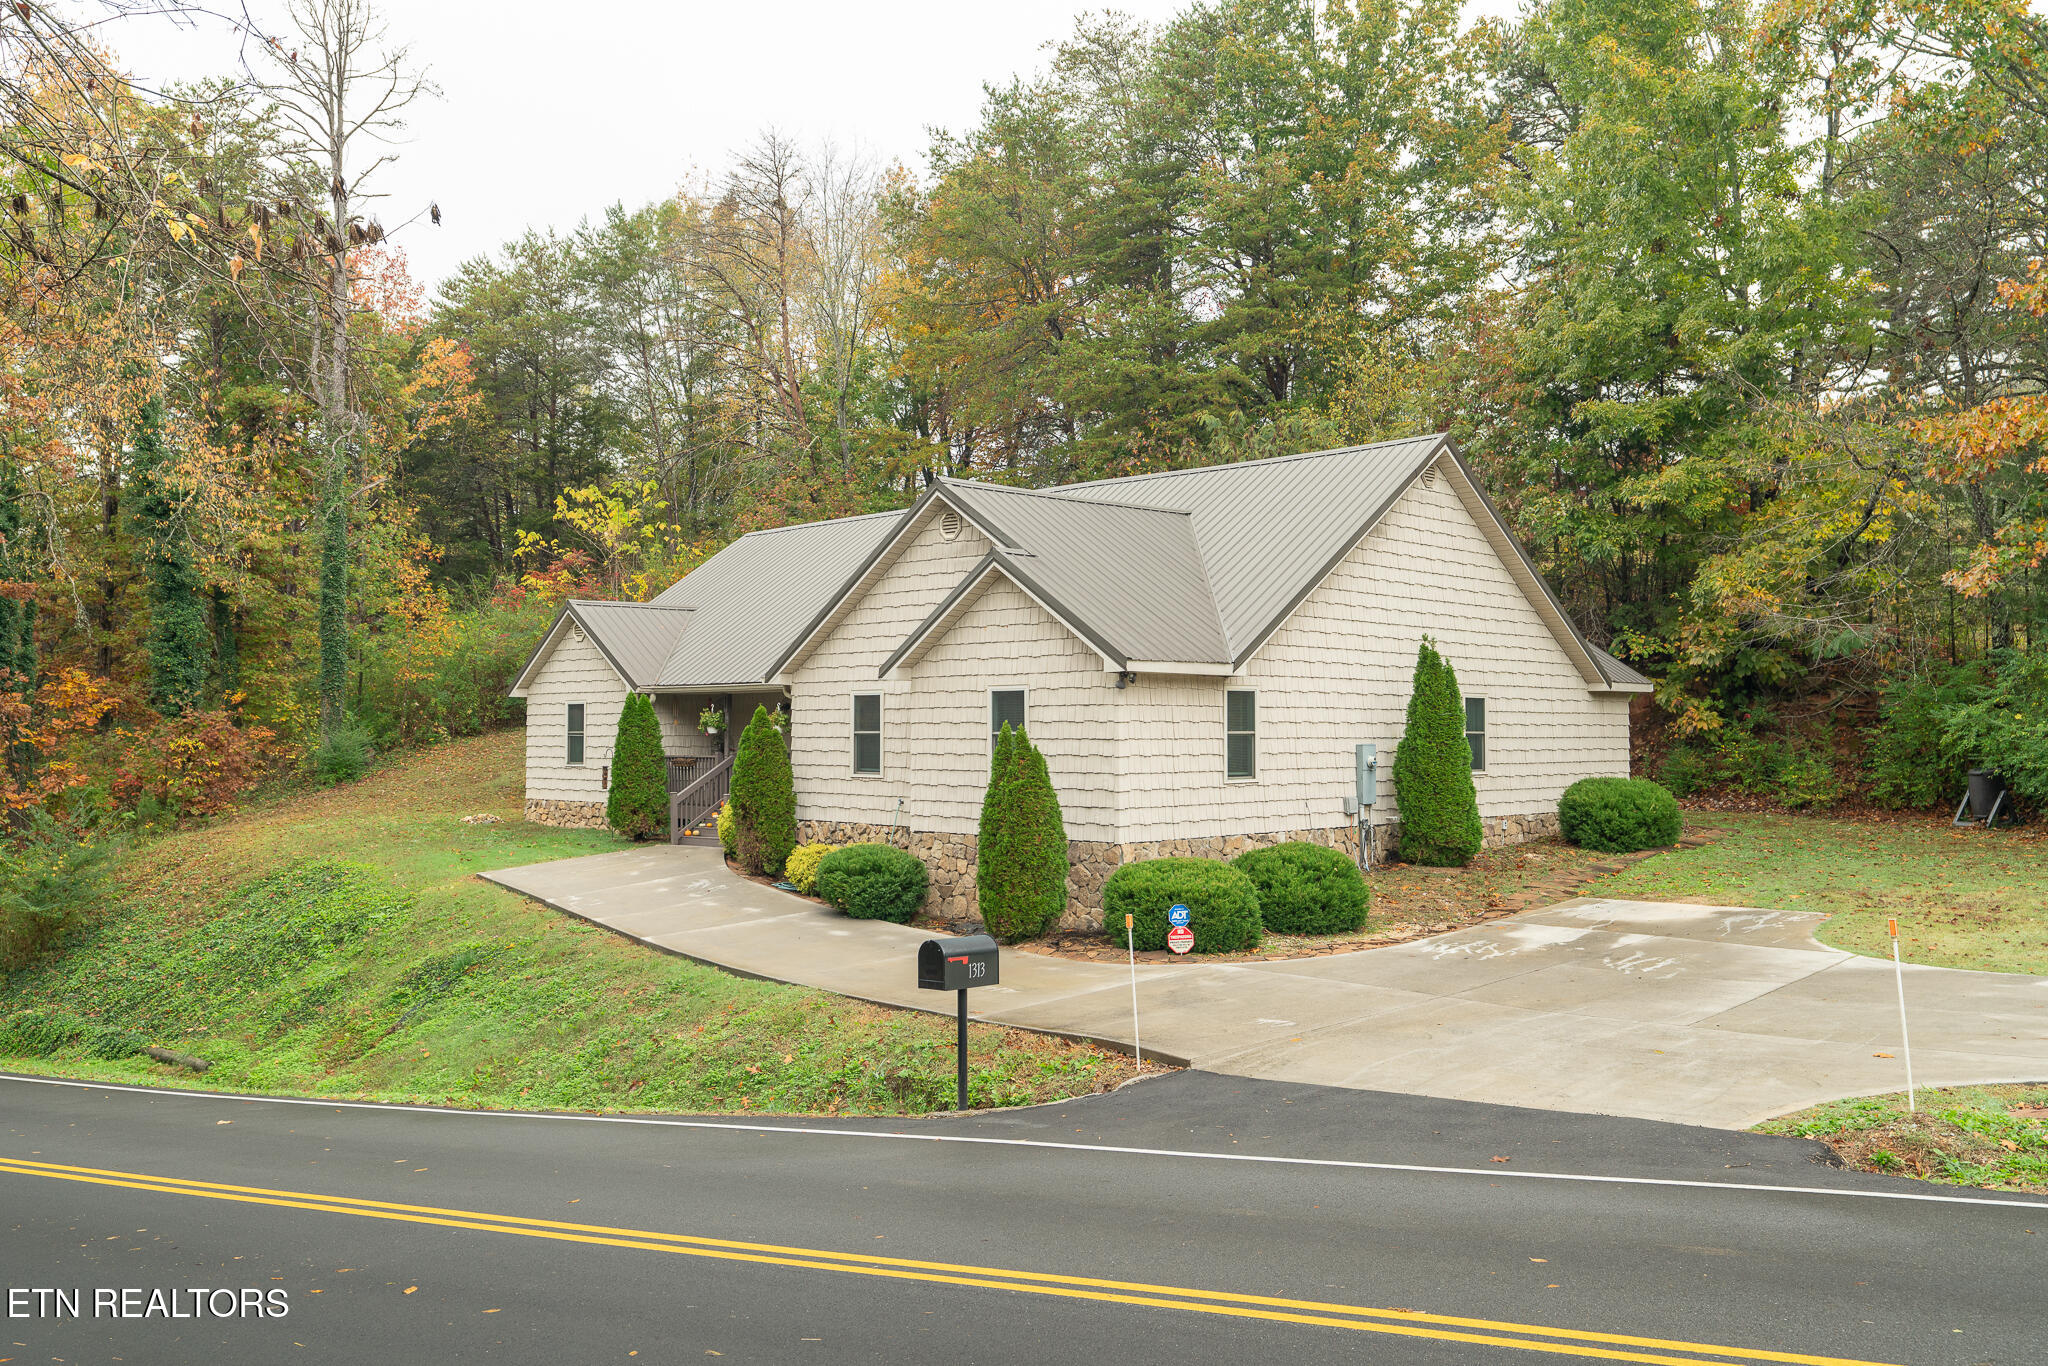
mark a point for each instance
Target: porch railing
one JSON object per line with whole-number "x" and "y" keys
{"x": 698, "y": 802}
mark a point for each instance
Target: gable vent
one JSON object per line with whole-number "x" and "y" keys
{"x": 1429, "y": 477}
{"x": 949, "y": 525}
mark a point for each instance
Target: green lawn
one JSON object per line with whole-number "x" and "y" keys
{"x": 1963, "y": 898}
{"x": 336, "y": 943}
{"x": 1995, "y": 1136}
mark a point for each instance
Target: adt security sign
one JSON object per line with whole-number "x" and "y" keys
{"x": 1180, "y": 938}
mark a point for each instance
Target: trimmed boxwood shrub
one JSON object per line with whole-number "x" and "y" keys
{"x": 801, "y": 871}
{"x": 1618, "y": 815}
{"x": 1223, "y": 905}
{"x": 873, "y": 882}
{"x": 1433, "y": 770}
{"x": 1306, "y": 888}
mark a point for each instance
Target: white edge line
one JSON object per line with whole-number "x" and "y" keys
{"x": 1344, "y": 1163}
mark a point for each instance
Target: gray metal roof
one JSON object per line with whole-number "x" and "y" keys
{"x": 752, "y": 598}
{"x": 1269, "y": 530}
{"x": 1130, "y": 576}
{"x": 635, "y": 636}
{"x": 1194, "y": 566}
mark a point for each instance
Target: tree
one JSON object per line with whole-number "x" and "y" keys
{"x": 637, "y": 806}
{"x": 180, "y": 639}
{"x": 763, "y": 796}
{"x": 1433, "y": 769}
{"x": 1021, "y": 854}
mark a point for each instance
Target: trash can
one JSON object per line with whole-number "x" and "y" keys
{"x": 1986, "y": 787}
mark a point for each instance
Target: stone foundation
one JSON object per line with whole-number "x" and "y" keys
{"x": 568, "y": 815}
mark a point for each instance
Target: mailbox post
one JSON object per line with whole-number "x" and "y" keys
{"x": 956, "y": 964}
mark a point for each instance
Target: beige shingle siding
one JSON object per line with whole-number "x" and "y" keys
{"x": 844, "y": 661}
{"x": 575, "y": 671}
{"x": 1004, "y": 641}
{"x": 1338, "y": 672}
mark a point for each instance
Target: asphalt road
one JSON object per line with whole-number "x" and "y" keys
{"x": 432, "y": 1236}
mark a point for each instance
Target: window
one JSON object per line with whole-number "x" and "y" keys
{"x": 867, "y": 732}
{"x": 1241, "y": 734}
{"x": 1475, "y": 731}
{"x": 1004, "y": 707}
{"x": 575, "y": 732}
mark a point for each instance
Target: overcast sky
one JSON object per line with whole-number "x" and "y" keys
{"x": 550, "y": 112}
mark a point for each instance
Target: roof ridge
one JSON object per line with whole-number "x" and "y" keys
{"x": 1055, "y": 493}
{"x": 822, "y": 521}
{"x": 1244, "y": 464}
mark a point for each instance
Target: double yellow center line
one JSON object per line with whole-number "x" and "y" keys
{"x": 1399, "y": 1322}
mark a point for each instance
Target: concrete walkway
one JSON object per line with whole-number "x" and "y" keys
{"x": 1697, "y": 1014}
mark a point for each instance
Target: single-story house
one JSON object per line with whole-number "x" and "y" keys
{"x": 1196, "y": 652}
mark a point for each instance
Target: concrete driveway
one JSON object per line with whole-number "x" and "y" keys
{"x": 1697, "y": 1014}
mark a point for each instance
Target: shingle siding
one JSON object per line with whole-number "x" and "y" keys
{"x": 1338, "y": 672}
{"x": 575, "y": 671}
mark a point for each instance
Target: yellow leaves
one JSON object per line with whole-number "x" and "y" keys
{"x": 235, "y": 267}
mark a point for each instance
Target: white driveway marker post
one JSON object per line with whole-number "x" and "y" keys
{"x": 1905, "y": 1043}
{"x": 1131, "y": 944}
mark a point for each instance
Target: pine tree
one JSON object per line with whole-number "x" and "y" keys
{"x": 1433, "y": 769}
{"x": 763, "y": 797}
{"x": 180, "y": 642}
{"x": 638, "y": 804}
{"x": 1021, "y": 874}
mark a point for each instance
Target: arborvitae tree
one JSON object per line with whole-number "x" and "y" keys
{"x": 638, "y": 804}
{"x": 1433, "y": 770}
{"x": 1021, "y": 874}
{"x": 763, "y": 797}
{"x": 180, "y": 643}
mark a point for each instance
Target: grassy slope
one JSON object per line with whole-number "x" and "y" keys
{"x": 1968, "y": 1135}
{"x": 1963, "y": 898}
{"x": 335, "y": 943}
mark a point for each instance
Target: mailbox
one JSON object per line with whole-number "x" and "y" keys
{"x": 955, "y": 964}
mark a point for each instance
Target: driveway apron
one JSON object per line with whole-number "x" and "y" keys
{"x": 1712, "y": 1015}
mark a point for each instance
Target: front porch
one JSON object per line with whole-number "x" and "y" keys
{"x": 700, "y": 759}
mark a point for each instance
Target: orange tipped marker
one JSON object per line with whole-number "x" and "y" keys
{"x": 1893, "y": 925}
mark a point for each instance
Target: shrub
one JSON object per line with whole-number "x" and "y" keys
{"x": 47, "y": 875}
{"x": 111, "y": 1042}
{"x": 801, "y": 869}
{"x": 1021, "y": 858}
{"x": 2003, "y": 725}
{"x": 763, "y": 797}
{"x": 1618, "y": 815}
{"x": 1904, "y": 757}
{"x": 1223, "y": 904}
{"x": 637, "y": 805}
{"x": 192, "y": 765}
{"x": 1439, "y": 808}
{"x": 873, "y": 882}
{"x": 1684, "y": 771}
{"x": 1306, "y": 888}
{"x": 344, "y": 753}
{"x": 728, "y": 829}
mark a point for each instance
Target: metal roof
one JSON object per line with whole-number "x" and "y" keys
{"x": 1196, "y": 567}
{"x": 1131, "y": 576}
{"x": 751, "y": 598}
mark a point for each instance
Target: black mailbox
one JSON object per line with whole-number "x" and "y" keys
{"x": 955, "y": 964}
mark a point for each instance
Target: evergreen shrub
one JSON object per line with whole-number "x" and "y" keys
{"x": 873, "y": 882}
{"x": 801, "y": 869}
{"x": 637, "y": 805}
{"x": 1433, "y": 789}
{"x": 1306, "y": 888}
{"x": 1021, "y": 853}
{"x": 763, "y": 797}
{"x": 728, "y": 829}
{"x": 1618, "y": 815}
{"x": 1223, "y": 904}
